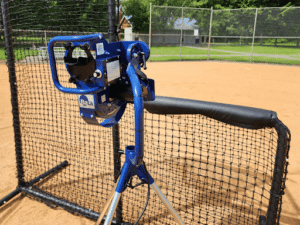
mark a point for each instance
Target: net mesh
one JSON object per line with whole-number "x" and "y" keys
{"x": 211, "y": 172}
{"x": 35, "y": 22}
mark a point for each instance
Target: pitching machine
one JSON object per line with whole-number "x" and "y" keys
{"x": 105, "y": 84}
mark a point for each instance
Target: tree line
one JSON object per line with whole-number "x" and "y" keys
{"x": 270, "y": 22}
{"x": 92, "y": 15}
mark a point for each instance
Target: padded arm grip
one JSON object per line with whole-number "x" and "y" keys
{"x": 241, "y": 116}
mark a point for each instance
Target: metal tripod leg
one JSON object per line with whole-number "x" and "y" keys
{"x": 115, "y": 198}
{"x": 110, "y": 198}
{"x": 112, "y": 208}
{"x": 128, "y": 171}
{"x": 167, "y": 203}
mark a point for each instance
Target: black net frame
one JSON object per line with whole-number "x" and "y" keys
{"x": 211, "y": 171}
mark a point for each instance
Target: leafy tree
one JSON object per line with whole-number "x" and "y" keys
{"x": 139, "y": 9}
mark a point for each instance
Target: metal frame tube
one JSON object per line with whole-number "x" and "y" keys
{"x": 62, "y": 203}
{"x": 111, "y": 21}
{"x": 117, "y": 165}
{"x": 116, "y": 149}
{"x": 9, "y": 196}
{"x": 138, "y": 116}
{"x": 49, "y": 172}
{"x": 14, "y": 90}
{"x": 280, "y": 167}
{"x": 33, "y": 181}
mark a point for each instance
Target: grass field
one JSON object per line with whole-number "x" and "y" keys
{"x": 20, "y": 53}
{"x": 260, "y": 50}
{"x": 261, "y": 54}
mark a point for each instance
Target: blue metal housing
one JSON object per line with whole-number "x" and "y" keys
{"x": 94, "y": 92}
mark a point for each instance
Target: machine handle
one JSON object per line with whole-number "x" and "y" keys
{"x": 63, "y": 39}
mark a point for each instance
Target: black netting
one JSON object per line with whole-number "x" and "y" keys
{"x": 211, "y": 172}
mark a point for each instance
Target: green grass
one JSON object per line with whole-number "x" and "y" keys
{"x": 177, "y": 58}
{"x": 243, "y": 49}
{"x": 20, "y": 53}
{"x": 31, "y": 39}
{"x": 185, "y": 51}
{"x": 260, "y": 50}
{"x": 259, "y": 59}
{"x": 216, "y": 55}
{"x": 2, "y": 53}
{"x": 255, "y": 59}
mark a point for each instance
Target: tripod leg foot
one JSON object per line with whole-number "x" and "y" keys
{"x": 167, "y": 203}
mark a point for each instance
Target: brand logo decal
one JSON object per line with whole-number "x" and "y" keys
{"x": 86, "y": 101}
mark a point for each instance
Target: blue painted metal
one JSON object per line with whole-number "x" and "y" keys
{"x": 94, "y": 96}
{"x": 138, "y": 115}
{"x": 129, "y": 170}
{"x": 122, "y": 49}
{"x": 98, "y": 87}
{"x": 90, "y": 39}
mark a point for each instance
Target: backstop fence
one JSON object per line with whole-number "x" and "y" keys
{"x": 216, "y": 163}
{"x": 250, "y": 35}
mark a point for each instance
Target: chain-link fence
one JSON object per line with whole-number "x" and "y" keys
{"x": 269, "y": 35}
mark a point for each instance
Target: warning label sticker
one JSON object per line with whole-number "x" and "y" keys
{"x": 100, "y": 48}
{"x": 113, "y": 70}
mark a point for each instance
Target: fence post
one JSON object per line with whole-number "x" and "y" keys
{"x": 45, "y": 39}
{"x": 209, "y": 35}
{"x": 253, "y": 35}
{"x": 181, "y": 33}
{"x": 150, "y": 27}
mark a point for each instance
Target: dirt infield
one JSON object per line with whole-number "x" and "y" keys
{"x": 264, "y": 86}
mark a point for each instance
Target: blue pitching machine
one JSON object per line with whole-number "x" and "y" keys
{"x": 104, "y": 85}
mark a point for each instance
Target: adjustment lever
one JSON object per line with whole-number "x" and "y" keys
{"x": 144, "y": 59}
{"x": 85, "y": 46}
{"x": 68, "y": 45}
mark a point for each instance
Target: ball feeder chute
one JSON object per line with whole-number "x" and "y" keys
{"x": 105, "y": 85}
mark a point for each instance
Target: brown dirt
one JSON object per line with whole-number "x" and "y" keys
{"x": 272, "y": 87}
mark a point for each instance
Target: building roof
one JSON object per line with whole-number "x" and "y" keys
{"x": 126, "y": 19}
